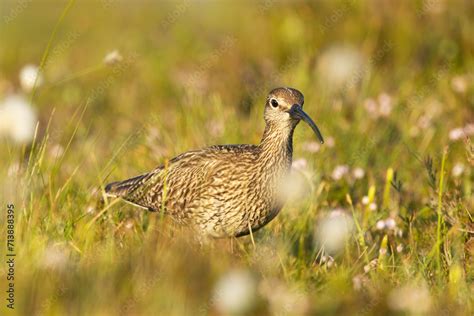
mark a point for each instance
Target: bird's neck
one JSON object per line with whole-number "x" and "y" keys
{"x": 276, "y": 147}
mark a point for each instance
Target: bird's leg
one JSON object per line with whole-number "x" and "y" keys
{"x": 231, "y": 245}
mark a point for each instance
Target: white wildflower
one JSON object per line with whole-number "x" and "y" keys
{"x": 28, "y": 75}
{"x": 90, "y": 209}
{"x": 370, "y": 266}
{"x": 339, "y": 172}
{"x": 55, "y": 257}
{"x": 459, "y": 84}
{"x": 333, "y": 231}
{"x": 411, "y": 299}
{"x": 390, "y": 223}
{"x": 358, "y": 173}
{"x": 330, "y": 142}
{"x": 235, "y": 292}
{"x": 17, "y": 119}
{"x": 385, "y": 104}
{"x": 458, "y": 170}
{"x": 365, "y": 200}
{"x": 373, "y": 206}
{"x": 382, "y": 107}
{"x": 295, "y": 185}
{"x": 113, "y": 58}
{"x": 456, "y": 134}
{"x": 129, "y": 224}
{"x": 399, "y": 248}
{"x": 380, "y": 224}
{"x": 299, "y": 164}
{"x": 339, "y": 66}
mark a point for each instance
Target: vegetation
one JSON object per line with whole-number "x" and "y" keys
{"x": 381, "y": 219}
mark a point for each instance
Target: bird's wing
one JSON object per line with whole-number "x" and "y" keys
{"x": 183, "y": 174}
{"x": 147, "y": 190}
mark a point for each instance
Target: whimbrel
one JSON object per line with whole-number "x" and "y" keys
{"x": 225, "y": 190}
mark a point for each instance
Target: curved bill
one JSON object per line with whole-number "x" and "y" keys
{"x": 297, "y": 112}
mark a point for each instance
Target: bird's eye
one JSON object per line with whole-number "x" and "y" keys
{"x": 274, "y": 103}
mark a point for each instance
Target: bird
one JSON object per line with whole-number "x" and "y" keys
{"x": 225, "y": 190}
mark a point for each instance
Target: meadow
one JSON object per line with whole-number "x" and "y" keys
{"x": 381, "y": 216}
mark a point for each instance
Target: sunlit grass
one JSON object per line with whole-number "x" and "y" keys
{"x": 397, "y": 160}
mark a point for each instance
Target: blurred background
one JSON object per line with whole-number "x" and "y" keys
{"x": 381, "y": 219}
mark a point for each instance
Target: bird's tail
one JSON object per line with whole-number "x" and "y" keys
{"x": 125, "y": 187}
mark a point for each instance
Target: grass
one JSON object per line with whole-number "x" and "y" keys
{"x": 194, "y": 75}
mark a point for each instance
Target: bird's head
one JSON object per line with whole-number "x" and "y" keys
{"x": 284, "y": 107}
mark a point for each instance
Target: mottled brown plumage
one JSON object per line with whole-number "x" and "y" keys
{"x": 225, "y": 190}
